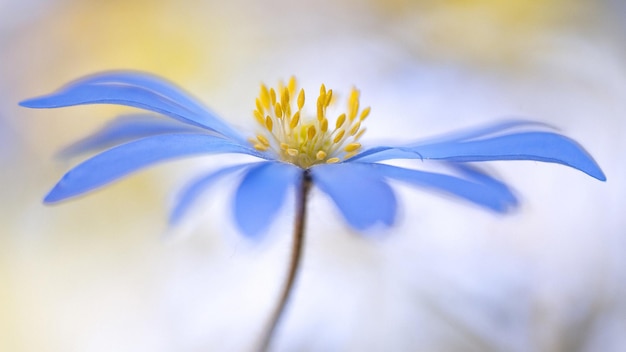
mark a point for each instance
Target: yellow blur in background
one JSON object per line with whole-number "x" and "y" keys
{"x": 104, "y": 272}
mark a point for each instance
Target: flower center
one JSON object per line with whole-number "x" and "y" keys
{"x": 306, "y": 142}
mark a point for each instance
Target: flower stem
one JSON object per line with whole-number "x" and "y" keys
{"x": 294, "y": 265}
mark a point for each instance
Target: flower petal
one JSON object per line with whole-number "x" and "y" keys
{"x": 539, "y": 146}
{"x": 363, "y": 198}
{"x": 482, "y": 192}
{"x": 261, "y": 194}
{"x": 407, "y": 151}
{"x": 127, "y": 158}
{"x": 478, "y": 175}
{"x": 194, "y": 189}
{"x": 126, "y": 128}
{"x": 490, "y": 129}
{"x": 138, "y": 90}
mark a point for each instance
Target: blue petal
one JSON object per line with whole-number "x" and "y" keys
{"x": 194, "y": 189}
{"x": 478, "y": 175}
{"x": 539, "y": 146}
{"x": 261, "y": 194}
{"x": 482, "y": 131}
{"x": 407, "y": 151}
{"x": 481, "y": 192}
{"x": 364, "y": 198}
{"x": 124, "y": 129}
{"x": 124, "y": 159}
{"x": 138, "y": 90}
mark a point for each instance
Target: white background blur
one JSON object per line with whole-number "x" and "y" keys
{"x": 104, "y": 272}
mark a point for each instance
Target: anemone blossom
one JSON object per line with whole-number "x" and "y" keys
{"x": 295, "y": 149}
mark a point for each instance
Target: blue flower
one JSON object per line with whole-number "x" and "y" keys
{"x": 291, "y": 146}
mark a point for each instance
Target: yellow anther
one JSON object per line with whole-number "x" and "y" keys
{"x": 311, "y": 132}
{"x": 272, "y": 97}
{"x": 263, "y": 139}
{"x": 353, "y": 104}
{"x": 269, "y": 124}
{"x": 278, "y": 110}
{"x": 265, "y": 96}
{"x": 321, "y": 155}
{"x": 261, "y": 147}
{"x": 324, "y": 125}
{"x": 352, "y": 147}
{"x": 284, "y": 146}
{"x": 292, "y": 85}
{"x": 355, "y": 128}
{"x": 259, "y": 117}
{"x": 323, "y": 91}
{"x": 320, "y": 110}
{"x": 349, "y": 155}
{"x": 284, "y": 98}
{"x": 294, "y": 120}
{"x": 259, "y": 106}
{"x": 339, "y": 136}
{"x": 329, "y": 97}
{"x": 301, "y": 99}
{"x": 292, "y": 151}
{"x": 360, "y": 134}
{"x": 340, "y": 120}
{"x": 365, "y": 113}
{"x": 333, "y": 160}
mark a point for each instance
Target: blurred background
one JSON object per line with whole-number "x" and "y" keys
{"x": 104, "y": 273}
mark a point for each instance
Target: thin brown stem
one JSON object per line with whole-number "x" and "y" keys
{"x": 294, "y": 265}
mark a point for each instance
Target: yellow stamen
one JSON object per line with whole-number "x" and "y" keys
{"x": 311, "y": 132}
{"x": 352, "y": 147}
{"x": 259, "y": 106}
{"x": 355, "y": 128}
{"x": 339, "y": 136}
{"x": 294, "y": 120}
{"x": 324, "y": 125}
{"x": 292, "y": 85}
{"x": 269, "y": 124}
{"x": 305, "y": 140}
{"x": 329, "y": 97}
{"x": 340, "y": 120}
{"x": 365, "y": 113}
{"x": 301, "y": 99}
{"x": 261, "y": 147}
{"x": 263, "y": 140}
{"x": 278, "y": 110}
{"x": 259, "y": 117}
{"x": 272, "y": 97}
{"x": 265, "y": 97}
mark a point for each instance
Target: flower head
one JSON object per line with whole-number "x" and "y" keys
{"x": 302, "y": 141}
{"x": 291, "y": 144}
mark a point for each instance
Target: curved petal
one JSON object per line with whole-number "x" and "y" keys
{"x": 261, "y": 194}
{"x": 539, "y": 146}
{"x": 478, "y": 175}
{"x": 498, "y": 199}
{"x": 122, "y": 160}
{"x": 490, "y": 129}
{"x": 194, "y": 189}
{"x": 407, "y": 151}
{"x": 123, "y": 129}
{"x": 363, "y": 198}
{"x": 138, "y": 90}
